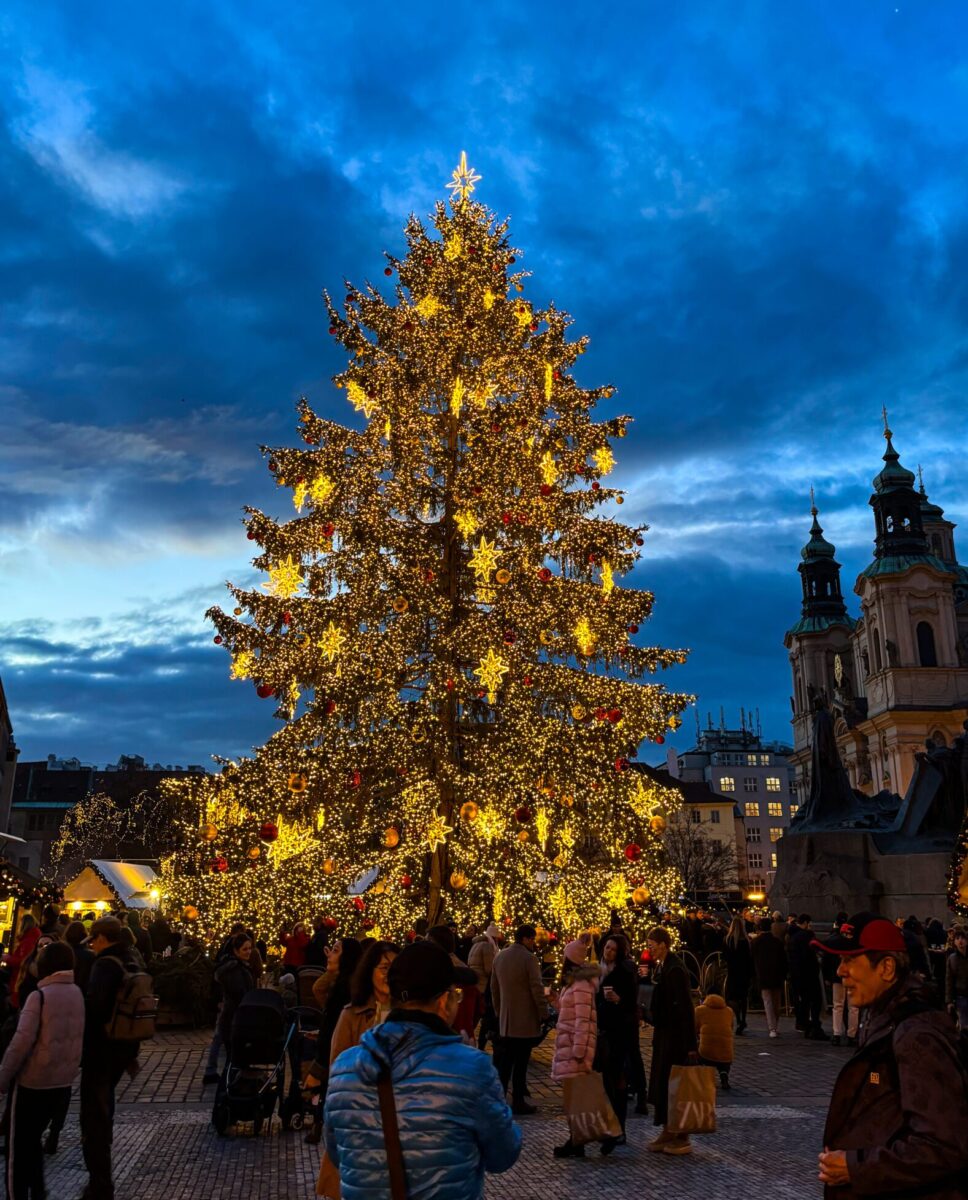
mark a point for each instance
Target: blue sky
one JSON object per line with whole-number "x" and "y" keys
{"x": 756, "y": 211}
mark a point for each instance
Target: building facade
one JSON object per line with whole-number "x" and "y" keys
{"x": 8, "y": 762}
{"x": 46, "y": 791}
{"x": 757, "y": 778}
{"x": 897, "y": 674}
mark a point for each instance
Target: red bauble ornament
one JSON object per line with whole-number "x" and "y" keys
{"x": 595, "y": 485}
{"x": 329, "y": 922}
{"x": 591, "y": 559}
{"x": 660, "y": 740}
{"x": 527, "y": 681}
{"x": 251, "y": 535}
{"x": 633, "y": 629}
{"x": 354, "y": 779}
{"x": 495, "y": 428}
{"x": 621, "y": 764}
{"x": 332, "y": 330}
{"x": 263, "y": 691}
{"x": 411, "y": 935}
{"x": 428, "y": 260}
{"x": 522, "y": 814}
{"x": 405, "y": 881}
{"x": 614, "y": 715}
{"x": 388, "y": 270}
{"x": 506, "y": 922}
{"x": 221, "y": 863}
{"x": 512, "y": 259}
{"x": 450, "y": 685}
{"x": 633, "y": 852}
{"x": 429, "y": 575}
{"x": 268, "y": 831}
{"x": 329, "y": 529}
{"x": 349, "y": 298}
{"x": 506, "y": 518}
{"x": 368, "y": 922}
{"x": 546, "y": 489}
{"x": 640, "y": 541}
{"x": 481, "y": 694}
{"x": 509, "y": 637}
{"x": 544, "y": 574}
{"x": 601, "y": 714}
{"x": 534, "y": 326}
{"x": 477, "y": 490}
{"x": 557, "y": 374}
{"x": 273, "y": 465}
{"x": 217, "y": 639}
{"x": 287, "y": 618}
{"x": 358, "y": 903}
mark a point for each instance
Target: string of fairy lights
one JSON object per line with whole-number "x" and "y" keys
{"x": 443, "y": 630}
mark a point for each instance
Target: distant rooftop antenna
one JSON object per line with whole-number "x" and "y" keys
{"x": 759, "y": 727}
{"x": 698, "y": 729}
{"x": 742, "y": 719}
{"x": 722, "y": 719}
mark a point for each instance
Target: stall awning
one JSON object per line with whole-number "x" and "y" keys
{"x": 113, "y": 882}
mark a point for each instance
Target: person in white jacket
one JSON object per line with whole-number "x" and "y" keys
{"x": 39, "y": 1066}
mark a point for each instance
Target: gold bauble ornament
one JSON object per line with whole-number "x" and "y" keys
{"x": 503, "y": 576}
{"x": 458, "y": 880}
{"x": 568, "y": 800}
{"x": 469, "y": 811}
{"x": 237, "y": 611}
{"x": 302, "y": 639}
{"x": 657, "y": 824}
{"x": 379, "y": 887}
{"x": 190, "y": 912}
{"x": 209, "y": 832}
{"x": 401, "y": 604}
{"x": 418, "y": 735}
{"x": 254, "y": 852}
{"x": 577, "y": 712}
{"x": 523, "y": 835}
{"x": 329, "y": 866}
{"x": 641, "y": 894}
{"x": 391, "y": 837}
{"x": 298, "y": 782}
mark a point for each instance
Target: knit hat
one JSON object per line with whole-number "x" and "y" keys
{"x": 576, "y": 952}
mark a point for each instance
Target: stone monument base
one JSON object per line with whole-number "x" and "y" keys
{"x": 854, "y": 870}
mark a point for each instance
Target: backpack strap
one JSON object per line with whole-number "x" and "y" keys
{"x": 391, "y": 1137}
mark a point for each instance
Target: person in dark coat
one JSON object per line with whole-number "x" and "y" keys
{"x": 159, "y": 931}
{"x": 674, "y": 1041}
{"x": 805, "y": 980}
{"x": 899, "y": 1110}
{"x": 616, "y": 1005}
{"x": 76, "y": 937}
{"x": 770, "y": 965}
{"x": 141, "y": 939}
{"x": 316, "y": 950}
{"x": 234, "y": 977}
{"x": 738, "y": 954}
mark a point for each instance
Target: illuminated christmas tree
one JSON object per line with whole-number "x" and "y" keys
{"x": 443, "y": 629}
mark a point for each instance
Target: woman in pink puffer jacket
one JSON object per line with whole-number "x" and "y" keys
{"x": 576, "y": 1034}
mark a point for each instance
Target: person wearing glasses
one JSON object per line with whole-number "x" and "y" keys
{"x": 448, "y": 1106}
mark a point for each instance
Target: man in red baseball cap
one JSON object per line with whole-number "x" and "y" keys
{"x": 898, "y": 1115}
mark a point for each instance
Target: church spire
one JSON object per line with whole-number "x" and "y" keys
{"x": 823, "y": 602}
{"x": 897, "y": 507}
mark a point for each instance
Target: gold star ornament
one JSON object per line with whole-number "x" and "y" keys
{"x": 332, "y": 641}
{"x": 463, "y": 180}
{"x": 285, "y": 578}
{"x": 484, "y": 560}
{"x": 491, "y": 672}
{"x": 437, "y": 832}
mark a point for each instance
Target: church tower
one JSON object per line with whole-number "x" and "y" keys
{"x": 818, "y": 645}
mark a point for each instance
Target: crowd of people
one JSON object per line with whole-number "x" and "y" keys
{"x": 404, "y": 1092}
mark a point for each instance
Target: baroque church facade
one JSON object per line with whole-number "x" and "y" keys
{"x": 897, "y": 675}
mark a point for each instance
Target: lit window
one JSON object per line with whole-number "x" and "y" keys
{"x": 794, "y": 809}
{"x": 773, "y": 861}
{"x": 751, "y": 760}
{"x": 696, "y": 816}
{"x": 775, "y": 808}
{"x": 755, "y": 859}
{"x": 714, "y": 816}
{"x": 750, "y": 784}
{"x": 772, "y": 783}
{"x": 776, "y": 832}
{"x": 764, "y": 760}
{"x": 757, "y": 883}
{"x": 727, "y": 784}
{"x": 752, "y": 808}
{"x": 753, "y": 834}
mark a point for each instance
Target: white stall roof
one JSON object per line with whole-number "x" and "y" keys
{"x": 111, "y": 880}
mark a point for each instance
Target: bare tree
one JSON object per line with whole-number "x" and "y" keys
{"x": 704, "y": 863}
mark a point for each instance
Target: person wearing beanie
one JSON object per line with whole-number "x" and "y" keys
{"x": 714, "y": 1028}
{"x": 481, "y": 961}
{"x": 576, "y": 1034}
{"x": 454, "y": 1124}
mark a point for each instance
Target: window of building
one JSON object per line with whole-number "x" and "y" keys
{"x": 751, "y": 760}
{"x": 752, "y": 808}
{"x": 772, "y": 783}
{"x": 696, "y": 816}
{"x": 714, "y": 816}
{"x": 773, "y": 861}
{"x": 764, "y": 760}
{"x": 753, "y": 834}
{"x": 927, "y": 654}
{"x": 757, "y": 884}
{"x": 750, "y": 784}
{"x": 755, "y": 859}
{"x": 794, "y": 809}
{"x": 775, "y": 808}
{"x": 727, "y": 784}
{"x": 776, "y": 832}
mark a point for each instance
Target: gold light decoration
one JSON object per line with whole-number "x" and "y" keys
{"x": 549, "y": 468}
{"x": 549, "y": 373}
{"x": 243, "y": 665}
{"x": 484, "y": 559}
{"x": 359, "y": 399}
{"x": 457, "y": 397}
{"x": 285, "y": 578}
{"x": 466, "y": 522}
{"x": 463, "y": 180}
{"x": 608, "y": 581}
{"x": 469, "y": 811}
{"x": 491, "y": 672}
{"x": 584, "y": 638}
{"x": 428, "y": 307}
{"x": 332, "y": 641}
{"x": 604, "y": 459}
{"x": 297, "y": 783}
{"x": 437, "y": 831}
{"x": 321, "y": 489}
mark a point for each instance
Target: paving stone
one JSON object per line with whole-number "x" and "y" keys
{"x": 769, "y": 1130}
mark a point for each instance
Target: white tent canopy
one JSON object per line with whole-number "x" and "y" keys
{"x": 104, "y": 882}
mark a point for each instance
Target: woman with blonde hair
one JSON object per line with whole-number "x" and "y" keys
{"x": 738, "y": 954}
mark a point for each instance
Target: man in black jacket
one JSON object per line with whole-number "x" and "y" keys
{"x": 899, "y": 1110}
{"x": 104, "y": 1060}
{"x": 805, "y": 980}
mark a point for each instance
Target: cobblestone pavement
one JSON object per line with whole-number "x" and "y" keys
{"x": 770, "y": 1126}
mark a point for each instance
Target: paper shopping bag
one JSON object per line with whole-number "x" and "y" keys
{"x": 692, "y": 1100}
{"x": 590, "y": 1116}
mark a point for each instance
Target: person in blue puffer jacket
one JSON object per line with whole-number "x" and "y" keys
{"x": 453, "y": 1119}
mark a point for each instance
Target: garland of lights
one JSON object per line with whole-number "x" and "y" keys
{"x": 26, "y": 893}
{"x": 443, "y": 631}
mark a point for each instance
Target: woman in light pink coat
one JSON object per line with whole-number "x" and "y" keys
{"x": 576, "y": 1033}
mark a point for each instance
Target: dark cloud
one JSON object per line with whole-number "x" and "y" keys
{"x": 756, "y": 214}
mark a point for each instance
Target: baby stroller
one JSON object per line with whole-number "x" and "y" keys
{"x": 255, "y": 1074}
{"x": 297, "y": 1106}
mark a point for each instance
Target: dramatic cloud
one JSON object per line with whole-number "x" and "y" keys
{"x": 755, "y": 212}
